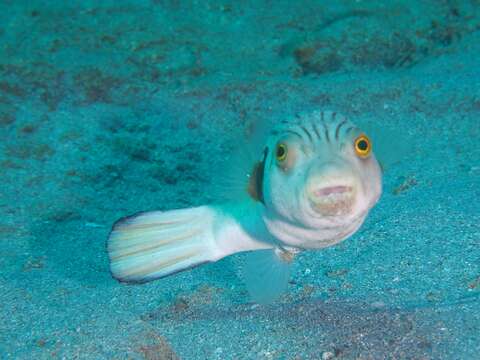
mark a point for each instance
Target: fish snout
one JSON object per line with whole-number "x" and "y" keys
{"x": 331, "y": 196}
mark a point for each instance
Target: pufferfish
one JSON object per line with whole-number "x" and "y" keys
{"x": 312, "y": 187}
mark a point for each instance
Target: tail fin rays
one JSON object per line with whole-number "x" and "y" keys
{"x": 151, "y": 245}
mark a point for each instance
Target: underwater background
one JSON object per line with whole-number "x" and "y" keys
{"x": 108, "y": 108}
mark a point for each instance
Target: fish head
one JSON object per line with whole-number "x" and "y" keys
{"x": 321, "y": 178}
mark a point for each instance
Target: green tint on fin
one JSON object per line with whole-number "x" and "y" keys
{"x": 237, "y": 175}
{"x": 266, "y": 275}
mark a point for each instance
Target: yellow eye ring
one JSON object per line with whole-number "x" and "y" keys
{"x": 281, "y": 152}
{"x": 363, "y": 146}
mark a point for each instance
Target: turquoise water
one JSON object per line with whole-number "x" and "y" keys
{"x": 114, "y": 107}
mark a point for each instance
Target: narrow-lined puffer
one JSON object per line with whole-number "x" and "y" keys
{"x": 313, "y": 187}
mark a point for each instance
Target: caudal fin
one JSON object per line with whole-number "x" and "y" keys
{"x": 151, "y": 245}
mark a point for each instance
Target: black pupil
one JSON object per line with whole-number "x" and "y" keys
{"x": 362, "y": 145}
{"x": 280, "y": 151}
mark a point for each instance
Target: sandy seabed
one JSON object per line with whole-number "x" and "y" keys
{"x": 108, "y": 108}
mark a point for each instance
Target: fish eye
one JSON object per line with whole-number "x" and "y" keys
{"x": 362, "y": 146}
{"x": 281, "y": 152}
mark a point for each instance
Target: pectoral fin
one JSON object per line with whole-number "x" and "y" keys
{"x": 266, "y": 274}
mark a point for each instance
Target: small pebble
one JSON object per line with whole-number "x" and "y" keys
{"x": 378, "y": 304}
{"x": 327, "y": 355}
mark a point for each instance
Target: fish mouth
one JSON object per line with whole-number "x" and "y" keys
{"x": 332, "y": 200}
{"x": 332, "y": 190}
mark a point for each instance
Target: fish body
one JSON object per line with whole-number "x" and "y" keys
{"x": 312, "y": 187}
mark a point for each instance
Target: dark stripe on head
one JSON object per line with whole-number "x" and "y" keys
{"x": 350, "y": 129}
{"x": 307, "y": 132}
{"x": 314, "y": 126}
{"x": 337, "y": 131}
{"x": 325, "y": 128}
{"x": 294, "y": 133}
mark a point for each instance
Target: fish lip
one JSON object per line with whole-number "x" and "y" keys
{"x": 332, "y": 190}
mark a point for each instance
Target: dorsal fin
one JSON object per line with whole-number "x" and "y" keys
{"x": 255, "y": 183}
